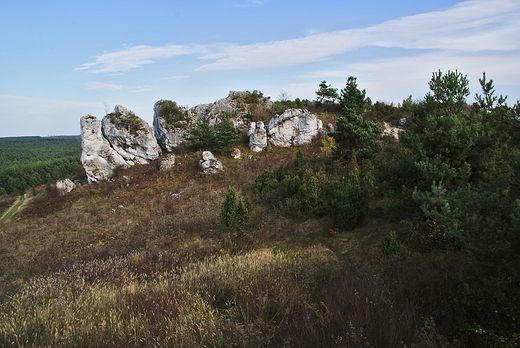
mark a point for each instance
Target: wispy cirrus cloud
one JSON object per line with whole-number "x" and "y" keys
{"x": 470, "y": 26}
{"x": 178, "y": 77}
{"x": 136, "y": 56}
{"x": 103, "y": 86}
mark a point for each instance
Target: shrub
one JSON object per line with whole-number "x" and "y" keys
{"x": 389, "y": 245}
{"x": 172, "y": 114}
{"x": 233, "y": 210}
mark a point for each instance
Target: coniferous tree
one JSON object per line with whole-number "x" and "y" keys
{"x": 227, "y": 136}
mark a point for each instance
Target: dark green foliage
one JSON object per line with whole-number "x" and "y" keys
{"x": 228, "y": 209}
{"x": 172, "y": 114}
{"x": 352, "y": 97}
{"x": 349, "y": 202}
{"x": 226, "y": 135}
{"x": 201, "y": 137}
{"x": 457, "y": 171}
{"x": 234, "y": 211}
{"x": 316, "y": 191}
{"x": 448, "y": 92}
{"x": 353, "y": 134}
{"x": 128, "y": 121}
{"x": 326, "y": 94}
{"x": 390, "y": 245}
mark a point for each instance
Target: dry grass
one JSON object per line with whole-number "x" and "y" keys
{"x": 117, "y": 264}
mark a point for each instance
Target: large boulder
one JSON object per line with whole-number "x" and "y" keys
{"x": 294, "y": 127}
{"x": 170, "y": 123}
{"x": 98, "y": 158}
{"x": 64, "y": 186}
{"x": 257, "y": 136}
{"x": 130, "y": 136}
{"x": 209, "y": 164}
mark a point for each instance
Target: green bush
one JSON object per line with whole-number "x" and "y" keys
{"x": 390, "y": 245}
{"x": 172, "y": 114}
{"x": 201, "y": 137}
{"x": 233, "y": 210}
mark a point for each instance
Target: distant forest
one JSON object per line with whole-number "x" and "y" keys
{"x": 26, "y": 162}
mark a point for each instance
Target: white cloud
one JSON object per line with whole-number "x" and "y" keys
{"x": 137, "y": 56}
{"x": 249, "y": 3}
{"x": 470, "y": 26}
{"x": 138, "y": 89}
{"x": 103, "y": 86}
{"x": 175, "y": 77}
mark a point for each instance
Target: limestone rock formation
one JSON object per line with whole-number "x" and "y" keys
{"x": 209, "y": 164}
{"x": 257, "y": 136}
{"x": 130, "y": 136}
{"x": 98, "y": 158}
{"x": 390, "y": 130}
{"x": 237, "y": 104}
{"x": 170, "y": 123}
{"x": 167, "y": 163}
{"x": 236, "y": 154}
{"x": 64, "y": 186}
{"x": 293, "y": 128}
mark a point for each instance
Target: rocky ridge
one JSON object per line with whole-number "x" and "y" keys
{"x": 123, "y": 139}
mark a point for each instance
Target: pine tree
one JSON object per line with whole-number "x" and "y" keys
{"x": 227, "y": 136}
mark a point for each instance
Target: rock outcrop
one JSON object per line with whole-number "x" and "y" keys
{"x": 257, "y": 136}
{"x": 170, "y": 123}
{"x": 98, "y": 158}
{"x": 209, "y": 164}
{"x": 293, "y": 128}
{"x": 64, "y": 186}
{"x": 130, "y": 136}
{"x": 390, "y": 130}
{"x": 237, "y": 104}
{"x": 167, "y": 163}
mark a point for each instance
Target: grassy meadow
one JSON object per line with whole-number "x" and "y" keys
{"x": 117, "y": 264}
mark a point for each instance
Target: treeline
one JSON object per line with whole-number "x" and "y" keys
{"x": 31, "y": 161}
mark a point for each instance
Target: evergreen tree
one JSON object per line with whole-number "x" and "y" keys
{"x": 201, "y": 137}
{"x": 228, "y": 208}
{"x": 352, "y": 97}
{"x": 355, "y": 134}
{"x": 227, "y": 136}
{"x": 326, "y": 94}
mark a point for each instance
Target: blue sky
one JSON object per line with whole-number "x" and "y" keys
{"x": 61, "y": 60}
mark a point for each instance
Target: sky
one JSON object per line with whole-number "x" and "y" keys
{"x": 61, "y": 60}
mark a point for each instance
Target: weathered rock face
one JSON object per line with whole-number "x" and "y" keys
{"x": 167, "y": 163}
{"x": 130, "y": 136}
{"x": 98, "y": 158}
{"x": 238, "y": 104}
{"x": 390, "y": 130}
{"x": 257, "y": 136}
{"x": 169, "y": 127}
{"x": 170, "y": 123}
{"x": 64, "y": 186}
{"x": 293, "y": 128}
{"x": 209, "y": 164}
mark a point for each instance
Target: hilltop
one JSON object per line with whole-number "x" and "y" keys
{"x": 357, "y": 238}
